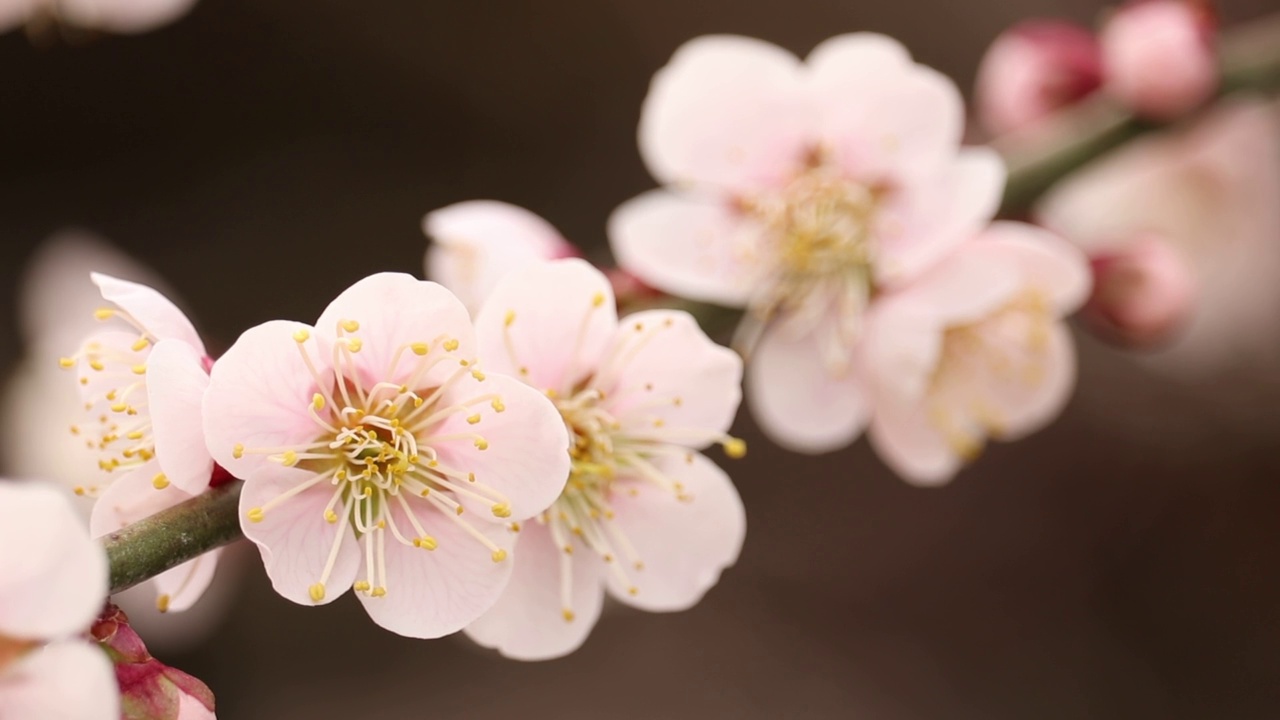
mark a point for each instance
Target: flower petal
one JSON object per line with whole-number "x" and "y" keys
{"x": 665, "y": 377}
{"x": 178, "y": 589}
{"x": 526, "y": 455}
{"x": 528, "y": 622}
{"x": 475, "y": 243}
{"x": 68, "y": 680}
{"x": 690, "y": 247}
{"x": 153, "y": 311}
{"x": 1028, "y": 406}
{"x": 295, "y": 539}
{"x": 258, "y": 396}
{"x": 903, "y": 437}
{"x": 176, "y": 381}
{"x": 684, "y": 544}
{"x": 795, "y": 399}
{"x": 725, "y": 112}
{"x": 1045, "y": 261}
{"x": 55, "y": 576}
{"x": 395, "y": 310}
{"x": 123, "y": 16}
{"x": 548, "y": 324}
{"x": 432, "y": 593}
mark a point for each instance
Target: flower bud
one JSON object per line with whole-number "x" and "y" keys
{"x": 1142, "y": 294}
{"x": 1033, "y": 69}
{"x": 149, "y": 689}
{"x": 1158, "y": 57}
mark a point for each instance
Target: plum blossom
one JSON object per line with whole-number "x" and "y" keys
{"x": 142, "y": 381}
{"x": 378, "y": 456}
{"x": 117, "y": 16}
{"x": 974, "y": 349}
{"x": 1159, "y": 56}
{"x": 644, "y": 515}
{"x": 798, "y": 190}
{"x": 1033, "y": 69}
{"x": 476, "y": 242}
{"x": 1143, "y": 294}
{"x": 54, "y": 584}
{"x": 1208, "y": 192}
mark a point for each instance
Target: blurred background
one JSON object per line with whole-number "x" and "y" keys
{"x": 262, "y": 155}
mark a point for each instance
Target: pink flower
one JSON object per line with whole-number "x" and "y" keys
{"x": 974, "y": 349}
{"x": 1159, "y": 58}
{"x": 1033, "y": 69}
{"x": 142, "y": 382}
{"x": 644, "y": 515}
{"x": 476, "y": 242}
{"x": 55, "y": 581}
{"x": 148, "y": 688}
{"x": 377, "y": 455}
{"x": 118, "y": 16}
{"x": 797, "y": 190}
{"x": 1142, "y": 295}
{"x": 1209, "y": 193}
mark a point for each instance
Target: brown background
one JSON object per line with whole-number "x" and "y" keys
{"x": 264, "y": 154}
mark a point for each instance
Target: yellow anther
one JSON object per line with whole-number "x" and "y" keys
{"x": 497, "y": 405}
{"x": 349, "y": 325}
{"x": 330, "y": 516}
{"x": 97, "y": 365}
{"x": 677, "y": 401}
{"x": 515, "y": 527}
{"x": 361, "y": 586}
{"x": 140, "y": 369}
{"x": 499, "y": 555}
{"x": 639, "y": 327}
{"x": 317, "y": 401}
{"x": 238, "y": 451}
{"x": 379, "y": 592}
{"x": 482, "y": 444}
{"x": 502, "y": 510}
{"x": 567, "y": 614}
{"x": 426, "y": 542}
{"x": 633, "y": 590}
{"x": 354, "y": 344}
{"x": 75, "y": 430}
{"x": 66, "y": 363}
{"x": 420, "y": 348}
{"x": 301, "y": 335}
{"x": 119, "y": 407}
{"x": 510, "y": 318}
{"x": 659, "y": 422}
{"x": 79, "y": 490}
{"x": 474, "y": 419}
{"x": 135, "y": 435}
{"x": 140, "y": 344}
{"x": 162, "y": 603}
{"x": 471, "y": 477}
{"x": 104, "y": 313}
{"x": 568, "y": 549}
{"x": 317, "y": 592}
{"x": 289, "y": 458}
{"x": 597, "y": 300}
{"x": 735, "y": 448}
{"x": 479, "y": 376}
{"x": 551, "y": 393}
{"x": 639, "y": 565}
{"x": 450, "y": 345}
{"x": 160, "y": 481}
{"x": 459, "y": 510}
{"x": 524, "y": 371}
{"x": 255, "y": 514}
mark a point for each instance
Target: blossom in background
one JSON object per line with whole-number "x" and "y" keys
{"x": 644, "y": 514}
{"x": 149, "y": 689}
{"x": 117, "y": 16}
{"x": 1143, "y": 294}
{"x": 1034, "y": 69}
{"x": 1209, "y": 192}
{"x": 974, "y": 349}
{"x": 378, "y": 455}
{"x": 476, "y": 242}
{"x": 54, "y": 584}
{"x": 142, "y": 381}
{"x": 798, "y": 190}
{"x": 1160, "y": 57}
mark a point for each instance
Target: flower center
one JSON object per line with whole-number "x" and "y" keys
{"x": 1008, "y": 346}
{"x": 376, "y": 448}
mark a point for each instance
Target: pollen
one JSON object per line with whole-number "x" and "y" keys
{"x": 567, "y": 614}
{"x": 301, "y": 335}
{"x": 361, "y": 586}
{"x": 450, "y": 345}
{"x": 426, "y": 542}
{"x": 479, "y": 376}
{"x": 354, "y": 344}
{"x": 510, "y": 318}
{"x": 139, "y": 369}
{"x": 140, "y": 344}
{"x": 162, "y": 603}
{"x": 66, "y": 363}
{"x": 349, "y": 325}
{"x": 238, "y": 451}
{"x": 735, "y": 448}
{"x": 330, "y": 517}
{"x": 481, "y": 444}
{"x": 420, "y": 348}
{"x": 499, "y": 555}
{"x": 379, "y": 592}
{"x": 289, "y": 459}
{"x": 160, "y": 481}
{"x": 497, "y": 405}
{"x": 104, "y": 313}
{"x": 255, "y": 514}
{"x": 597, "y": 300}
{"x": 502, "y": 510}
{"x": 316, "y": 592}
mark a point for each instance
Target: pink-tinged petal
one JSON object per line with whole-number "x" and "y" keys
{"x": 690, "y": 247}
{"x": 726, "y": 113}
{"x": 176, "y": 382}
{"x": 965, "y": 287}
{"x": 548, "y": 324}
{"x": 930, "y": 219}
{"x": 526, "y": 445}
{"x": 902, "y": 346}
{"x": 432, "y": 593}
{"x": 54, "y": 577}
{"x": 14, "y": 13}
{"x": 797, "y": 402}
{"x": 179, "y": 588}
{"x": 258, "y": 396}
{"x": 153, "y": 311}
{"x": 855, "y": 61}
{"x": 294, "y": 537}
{"x": 666, "y": 378}
{"x": 190, "y": 708}
{"x": 68, "y": 680}
{"x": 528, "y": 622}
{"x": 475, "y": 243}
{"x": 123, "y": 16}
{"x": 684, "y": 545}
{"x": 1033, "y": 69}
{"x": 117, "y": 373}
{"x": 395, "y": 311}
{"x": 1044, "y": 260}
{"x": 1143, "y": 295}
{"x": 1029, "y": 404}
{"x": 903, "y": 437}
{"x": 1159, "y": 56}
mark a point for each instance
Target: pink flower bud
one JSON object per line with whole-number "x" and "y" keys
{"x": 1033, "y": 69}
{"x": 1142, "y": 294}
{"x": 1158, "y": 57}
{"x": 149, "y": 689}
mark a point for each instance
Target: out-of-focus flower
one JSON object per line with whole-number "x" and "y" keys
{"x": 974, "y": 349}
{"x": 1142, "y": 295}
{"x": 644, "y": 514}
{"x": 1159, "y": 56}
{"x": 117, "y": 16}
{"x": 55, "y": 581}
{"x": 142, "y": 382}
{"x": 149, "y": 689}
{"x": 362, "y": 441}
{"x": 1033, "y": 69}
{"x": 797, "y": 190}
{"x": 1210, "y": 193}
{"x": 476, "y": 242}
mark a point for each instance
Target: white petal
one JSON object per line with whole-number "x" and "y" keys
{"x": 123, "y": 16}
{"x": 69, "y": 680}
{"x": 155, "y": 312}
{"x": 176, "y": 381}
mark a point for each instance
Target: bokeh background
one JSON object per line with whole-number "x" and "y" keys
{"x": 263, "y": 154}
